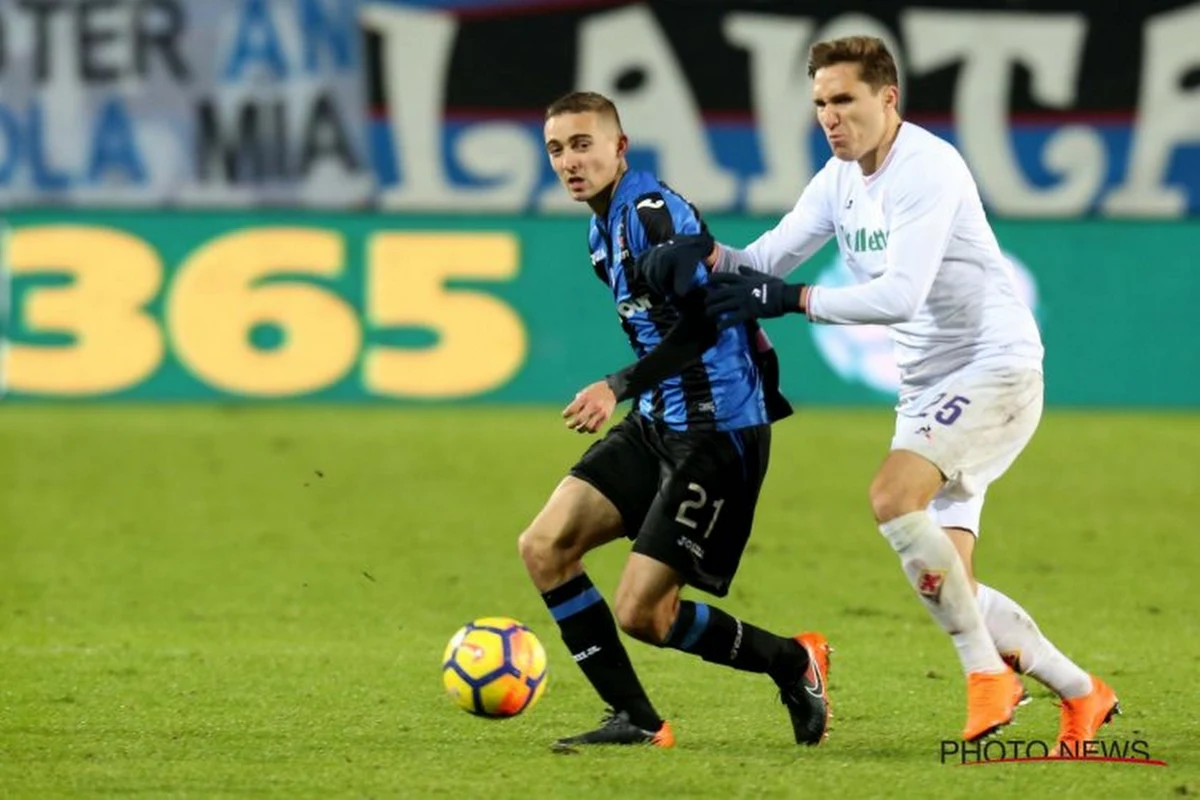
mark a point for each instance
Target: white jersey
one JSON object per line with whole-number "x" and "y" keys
{"x": 916, "y": 238}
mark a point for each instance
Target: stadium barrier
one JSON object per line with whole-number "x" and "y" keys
{"x": 368, "y": 307}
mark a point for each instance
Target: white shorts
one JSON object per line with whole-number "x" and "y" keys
{"x": 972, "y": 426}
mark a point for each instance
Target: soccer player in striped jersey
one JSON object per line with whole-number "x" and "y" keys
{"x": 679, "y": 475}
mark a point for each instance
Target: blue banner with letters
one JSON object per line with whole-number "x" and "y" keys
{"x": 1070, "y": 109}
{"x": 1063, "y": 110}
{"x": 160, "y": 102}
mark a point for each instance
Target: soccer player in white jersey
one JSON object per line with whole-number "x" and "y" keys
{"x": 912, "y": 229}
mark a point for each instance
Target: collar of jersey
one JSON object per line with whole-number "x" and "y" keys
{"x": 632, "y": 184}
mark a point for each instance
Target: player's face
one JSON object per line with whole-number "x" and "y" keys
{"x": 852, "y": 114}
{"x": 586, "y": 150}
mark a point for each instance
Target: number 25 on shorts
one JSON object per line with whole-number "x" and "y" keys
{"x": 949, "y": 411}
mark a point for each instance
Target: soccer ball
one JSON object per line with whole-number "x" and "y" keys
{"x": 494, "y": 667}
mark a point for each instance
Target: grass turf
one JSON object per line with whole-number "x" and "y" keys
{"x": 254, "y": 601}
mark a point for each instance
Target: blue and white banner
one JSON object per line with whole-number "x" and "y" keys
{"x": 1068, "y": 108}
{"x": 1075, "y": 109}
{"x": 182, "y": 102}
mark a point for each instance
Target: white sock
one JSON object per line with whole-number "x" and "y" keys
{"x": 1018, "y": 638}
{"x": 935, "y": 570}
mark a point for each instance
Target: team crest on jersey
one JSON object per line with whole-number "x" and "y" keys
{"x": 929, "y": 584}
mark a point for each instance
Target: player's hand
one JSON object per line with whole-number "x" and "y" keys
{"x": 591, "y": 408}
{"x": 670, "y": 267}
{"x": 734, "y": 298}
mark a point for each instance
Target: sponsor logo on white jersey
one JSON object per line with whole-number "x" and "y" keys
{"x": 864, "y": 240}
{"x": 863, "y": 354}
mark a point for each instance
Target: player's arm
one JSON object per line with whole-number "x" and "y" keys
{"x": 672, "y": 242}
{"x": 658, "y": 218}
{"x": 800, "y": 234}
{"x": 921, "y": 223}
{"x": 795, "y": 239}
{"x": 683, "y": 344}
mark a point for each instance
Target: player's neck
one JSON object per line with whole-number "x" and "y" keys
{"x": 872, "y": 161}
{"x": 602, "y": 200}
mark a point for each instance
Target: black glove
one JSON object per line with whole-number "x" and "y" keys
{"x": 670, "y": 267}
{"x": 735, "y": 298}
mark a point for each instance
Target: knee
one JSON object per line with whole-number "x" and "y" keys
{"x": 637, "y": 620}
{"x": 546, "y": 554}
{"x": 906, "y": 482}
{"x": 889, "y": 500}
{"x": 528, "y": 547}
{"x": 645, "y": 621}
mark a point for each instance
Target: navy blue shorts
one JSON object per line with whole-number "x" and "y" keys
{"x": 687, "y": 498}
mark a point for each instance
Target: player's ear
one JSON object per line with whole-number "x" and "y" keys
{"x": 891, "y": 96}
{"x": 622, "y": 146}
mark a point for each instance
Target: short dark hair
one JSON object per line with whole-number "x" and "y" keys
{"x": 582, "y": 102}
{"x": 876, "y": 66}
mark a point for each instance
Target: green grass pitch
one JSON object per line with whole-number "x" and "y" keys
{"x": 212, "y": 602}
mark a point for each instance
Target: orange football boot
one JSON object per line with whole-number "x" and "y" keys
{"x": 1081, "y": 717}
{"x": 991, "y": 699}
{"x": 807, "y": 699}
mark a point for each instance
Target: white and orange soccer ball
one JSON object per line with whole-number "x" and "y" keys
{"x": 494, "y": 667}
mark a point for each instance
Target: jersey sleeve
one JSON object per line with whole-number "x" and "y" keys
{"x": 657, "y": 217}
{"x": 920, "y": 223}
{"x": 654, "y": 218}
{"x": 800, "y": 234}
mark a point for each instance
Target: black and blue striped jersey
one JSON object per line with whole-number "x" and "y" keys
{"x": 724, "y": 388}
